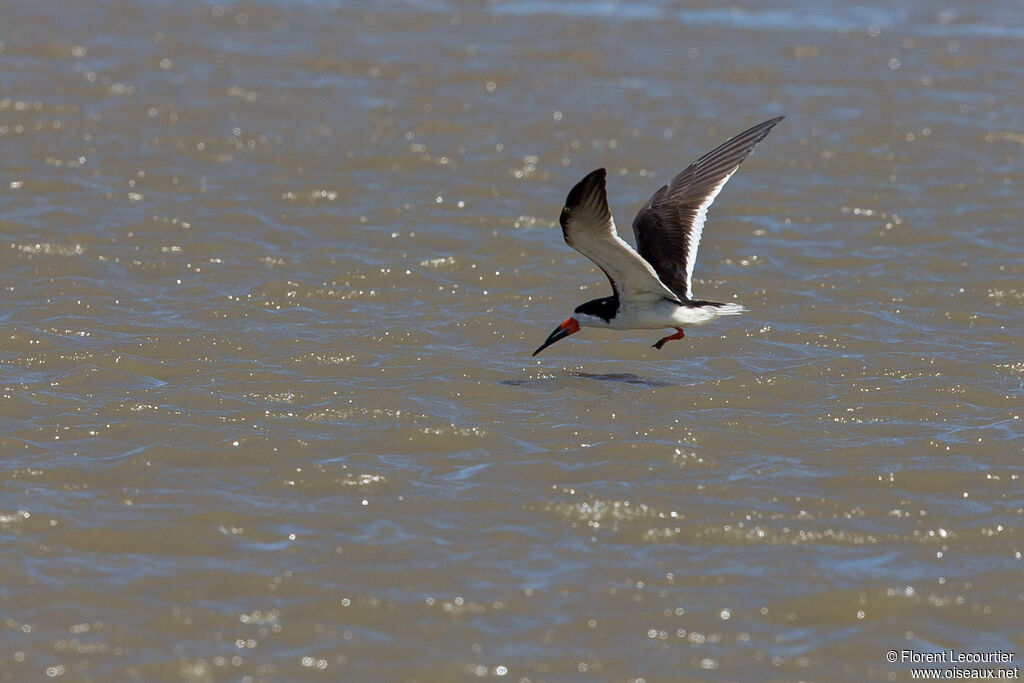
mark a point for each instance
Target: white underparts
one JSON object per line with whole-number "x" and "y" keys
{"x": 663, "y": 314}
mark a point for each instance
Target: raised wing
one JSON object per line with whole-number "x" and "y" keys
{"x": 668, "y": 227}
{"x": 589, "y": 229}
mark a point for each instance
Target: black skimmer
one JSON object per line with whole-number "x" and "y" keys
{"x": 651, "y": 286}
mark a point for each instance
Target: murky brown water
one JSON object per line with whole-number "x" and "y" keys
{"x": 272, "y": 274}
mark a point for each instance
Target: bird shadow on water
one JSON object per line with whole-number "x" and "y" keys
{"x": 617, "y": 377}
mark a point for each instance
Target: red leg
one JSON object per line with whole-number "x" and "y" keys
{"x": 661, "y": 342}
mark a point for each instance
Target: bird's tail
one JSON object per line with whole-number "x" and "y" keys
{"x": 728, "y": 309}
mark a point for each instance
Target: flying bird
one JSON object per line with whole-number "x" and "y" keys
{"x": 651, "y": 286}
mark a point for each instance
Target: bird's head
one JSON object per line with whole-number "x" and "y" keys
{"x": 594, "y": 313}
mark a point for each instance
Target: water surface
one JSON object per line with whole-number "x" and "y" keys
{"x": 271, "y": 275}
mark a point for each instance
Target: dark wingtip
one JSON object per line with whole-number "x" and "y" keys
{"x": 729, "y": 154}
{"x": 583, "y": 188}
{"x": 771, "y": 123}
{"x": 760, "y": 131}
{"x": 592, "y": 185}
